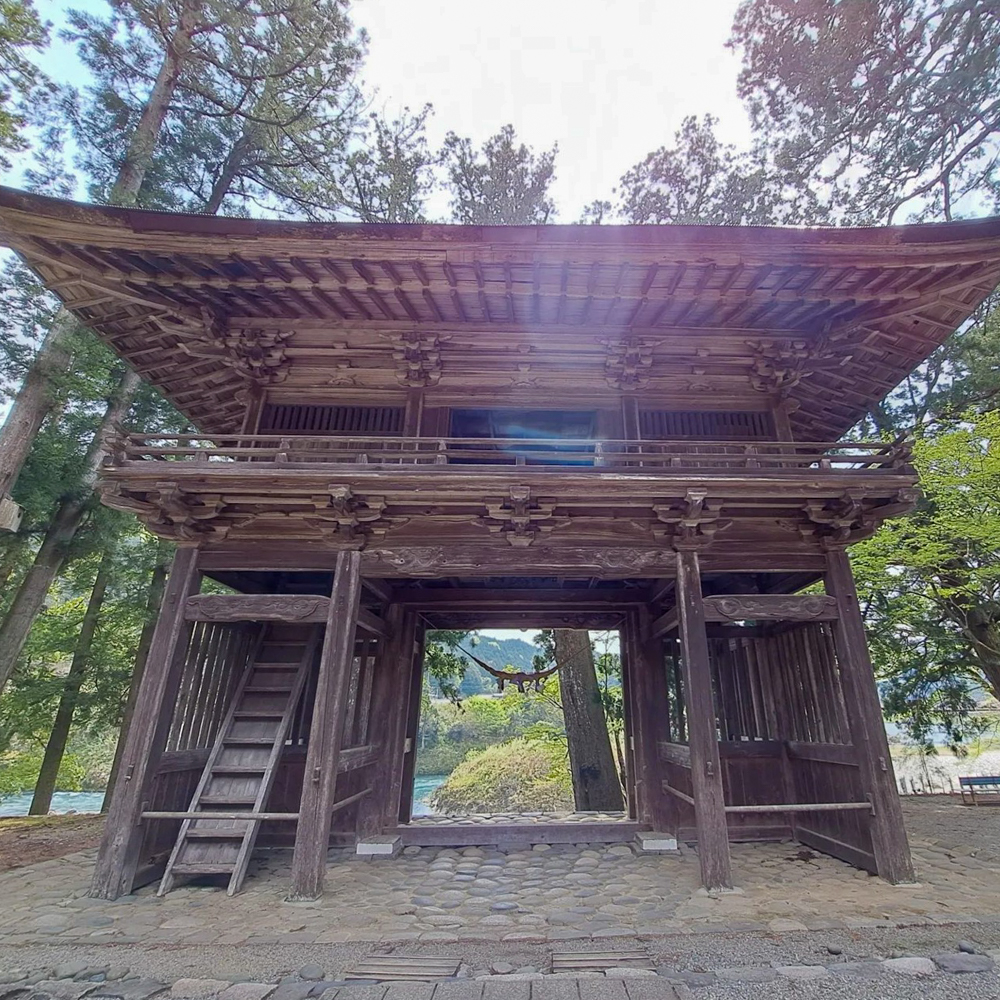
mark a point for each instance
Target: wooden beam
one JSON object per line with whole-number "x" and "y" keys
{"x": 770, "y": 607}
{"x": 372, "y": 623}
{"x": 327, "y": 730}
{"x": 706, "y": 767}
{"x": 577, "y": 599}
{"x": 864, "y": 713}
{"x": 826, "y": 753}
{"x": 674, "y": 753}
{"x": 118, "y": 856}
{"x": 666, "y": 622}
{"x": 257, "y": 607}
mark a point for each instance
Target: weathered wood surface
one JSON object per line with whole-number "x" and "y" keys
{"x": 256, "y": 607}
{"x": 889, "y": 842}
{"x": 770, "y": 607}
{"x": 204, "y": 306}
{"x": 706, "y": 767}
{"x": 118, "y": 857}
{"x": 326, "y": 733}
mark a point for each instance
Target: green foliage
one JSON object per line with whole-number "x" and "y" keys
{"x": 522, "y": 775}
{"x": 21, "y": 30}
{"x": 19, "y": 772}
{"x": 891, "y": 105}
{"x": 930, "y": 585}
{"x": 700, "y": 180}
{"x": 505, "y": 183}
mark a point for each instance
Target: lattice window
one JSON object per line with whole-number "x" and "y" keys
{"x": 714, "y": 425}
{"x": 316, "y": 419}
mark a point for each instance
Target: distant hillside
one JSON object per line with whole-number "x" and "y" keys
{"x": 500, "y": 654}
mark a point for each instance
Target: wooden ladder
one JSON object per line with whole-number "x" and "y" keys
{"x": 241, "y": 766}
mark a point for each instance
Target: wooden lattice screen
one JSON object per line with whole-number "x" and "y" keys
{"x": 317, "y": 419}
{"x": 663, "y": 425}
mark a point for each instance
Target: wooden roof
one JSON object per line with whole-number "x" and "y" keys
{"x": 686, "y": 316}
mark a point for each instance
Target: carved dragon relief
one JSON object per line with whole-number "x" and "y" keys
{"x": 256, "y": 607}
{"x": 518, "y": 517}
{"x": 809, "y": 607}
{"x": 433, "y": 560}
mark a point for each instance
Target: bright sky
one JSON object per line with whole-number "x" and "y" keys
{"x": 607, "y": 81}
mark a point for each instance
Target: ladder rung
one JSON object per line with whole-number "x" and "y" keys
{"x": 249, "y": 741}
{"x": 276, "y": 666}
{"x": 267, "y": 689}
{"x": 259, "y": 714}
{"x": 225, "y": 800}
{"x": 238, "y": 769}
{"x": 212, "y": 868}
{"x": 217, "y": 834}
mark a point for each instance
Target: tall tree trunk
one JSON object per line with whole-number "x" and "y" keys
{"x": 142, "y": 143}
{"x": 35, "y": 398}
{"x": 154, "y": 601}
{"x": 596, "y": 784}
{"x": 56, "y": 746}
{"x": 62, "y": 529}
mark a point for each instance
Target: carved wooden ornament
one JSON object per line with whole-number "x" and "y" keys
{"x": 256, "y": 607}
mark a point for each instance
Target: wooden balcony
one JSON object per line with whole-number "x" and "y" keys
{"x": 272, "y": 453}
{"x": 464, "y": 492}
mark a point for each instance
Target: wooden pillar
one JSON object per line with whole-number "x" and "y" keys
{"x": 387, "y": 721}
{"x": 706, "y": 770}
{"x": 404, "y": 794}
{"x": 253, "y": 411}
{"x": 413, "y": 416}
{"x": 319, "y": 784}
{"x": 630, "y": 418}
{"x": 650, "y": 707}
{"x": 147, "y": 733}
{"x": 631, "y": 729}
{"x": 864, "y": 713}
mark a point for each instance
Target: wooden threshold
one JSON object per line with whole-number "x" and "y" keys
{"x": 448, "y": 835}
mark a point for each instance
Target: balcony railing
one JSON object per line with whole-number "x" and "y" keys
{"x": 554, "y": 454}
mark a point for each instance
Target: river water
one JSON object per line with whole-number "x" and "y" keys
{"x": 62, "y": 802}
{"x": 90, "y": 802}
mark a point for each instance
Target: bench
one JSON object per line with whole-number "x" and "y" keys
{"x": 980, "y": 787}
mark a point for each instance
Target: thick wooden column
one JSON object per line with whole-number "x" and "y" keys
{"x": 650, "y": 725}
{"x": 706, "y": 770}
{"x": 864, "y": 713}
{"x": 319, "y": 784}
{"x": 403, "y": 793}
{"x": 147, "y": 733}
{"x": 387, "y": 722}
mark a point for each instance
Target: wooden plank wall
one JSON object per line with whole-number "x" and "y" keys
{"x": 783, "y": 737}
{"x": 216, "y": 658}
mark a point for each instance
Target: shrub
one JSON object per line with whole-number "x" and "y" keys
{"x": 19, "y": 772}
{"x": 522, "y": 775}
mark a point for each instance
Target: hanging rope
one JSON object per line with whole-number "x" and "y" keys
{"x": 518, "y": 677}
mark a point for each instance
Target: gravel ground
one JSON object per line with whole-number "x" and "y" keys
{"x": 983, "y": 987}
{"x": 693, "y": 953}
{"x": 942, "y": 819}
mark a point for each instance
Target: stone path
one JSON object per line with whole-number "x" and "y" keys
{"x": 532, "y": 895}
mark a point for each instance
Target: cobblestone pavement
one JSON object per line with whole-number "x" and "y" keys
{"x": 542, "y": 894}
